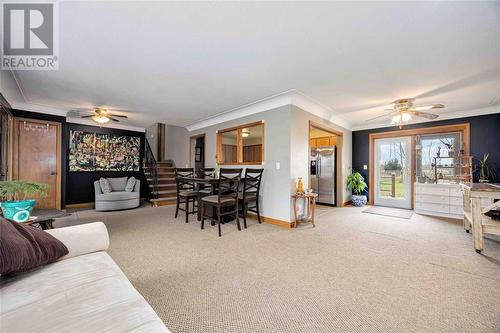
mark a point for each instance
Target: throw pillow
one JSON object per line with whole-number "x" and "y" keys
{"x": 23, "y": 247}
{"x": 130, "y": 184}
{"x": 118, "y": 184}
{"x": 105, "y": 186}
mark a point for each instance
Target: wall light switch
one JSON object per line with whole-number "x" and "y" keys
{"x": 365, "y": 167}
{"x": 278, "y": 165}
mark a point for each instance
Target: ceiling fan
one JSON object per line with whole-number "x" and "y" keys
{"x": 99, "y": 115}
{"x": 403, "y": 110}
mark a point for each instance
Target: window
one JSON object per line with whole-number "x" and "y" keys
{"x": 241, "y": 145}
{"x": 441, "y": 149}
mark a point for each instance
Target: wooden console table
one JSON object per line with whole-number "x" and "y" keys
{"x": 478, "y": 200}
{"x": 310, "y": 208}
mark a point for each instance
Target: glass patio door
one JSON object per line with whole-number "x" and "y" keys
{"x": 393, "y": 172}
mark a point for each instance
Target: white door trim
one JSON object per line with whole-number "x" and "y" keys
{"x": 405, "y": 201}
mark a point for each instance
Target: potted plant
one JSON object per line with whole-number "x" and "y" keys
{"x": 356, "y": 183}
{"x": 486, "y": 172}
{"x": 16, "y": 194}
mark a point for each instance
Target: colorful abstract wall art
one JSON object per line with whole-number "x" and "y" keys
{"x": 103, "y": 152}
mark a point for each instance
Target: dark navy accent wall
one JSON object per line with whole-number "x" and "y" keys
{"x": 484, "y": 138}
{"x": 78, "y": 187}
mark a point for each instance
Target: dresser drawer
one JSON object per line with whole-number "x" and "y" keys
{"x": 438, "y": 199}
{"x": 455, "y": 192}
{"x": 457, "y": 201}
{"x": 432, "y": 190}
{"x": 442, "y": 208}
{"x": 456, "y": 210}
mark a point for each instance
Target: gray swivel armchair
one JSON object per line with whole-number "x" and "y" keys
{"x": 118, "y": 198}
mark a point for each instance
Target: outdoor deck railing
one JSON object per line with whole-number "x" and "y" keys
{"x": 392, "y": 183}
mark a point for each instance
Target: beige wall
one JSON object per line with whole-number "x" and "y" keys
{"x": 300, "y": 151}
{"x": 177, "y": 145}
{"x": 286, "y": 141}
{"x": 275, "y": 189}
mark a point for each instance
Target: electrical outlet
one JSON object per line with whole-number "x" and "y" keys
{"x": 278, "y": 165}
{"x": 365, "y": 167}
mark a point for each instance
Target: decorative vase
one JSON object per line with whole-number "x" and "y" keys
{"x": 358, "y": 200}
{"x": 18, "y": 211}
{"x": 300, "y": 186}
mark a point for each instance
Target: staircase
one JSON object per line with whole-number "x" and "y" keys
{"x": 164, "y": 192}
{"x": 161, "y": 179}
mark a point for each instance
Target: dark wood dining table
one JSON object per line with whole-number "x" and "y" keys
{"x": 203, "y": 181}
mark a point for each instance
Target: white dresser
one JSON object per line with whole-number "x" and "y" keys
{"x": 439, "y": 200}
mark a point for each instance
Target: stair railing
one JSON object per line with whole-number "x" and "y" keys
{"x": 150, "y": 165}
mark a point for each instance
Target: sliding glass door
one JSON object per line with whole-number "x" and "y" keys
{"x": 393, "y": 172}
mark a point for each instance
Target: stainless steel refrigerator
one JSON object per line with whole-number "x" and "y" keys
{"x": 323, "y": 174}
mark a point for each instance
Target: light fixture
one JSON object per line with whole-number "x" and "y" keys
{"x": 100, "y": 119}
{"x": 405, "y": 117}
{"x": 396, "y": 119}
{"x": 245, "y": 133}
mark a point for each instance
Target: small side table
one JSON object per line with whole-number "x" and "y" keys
{"x": 310, "y": 207}
{"x": 45, "y": 217}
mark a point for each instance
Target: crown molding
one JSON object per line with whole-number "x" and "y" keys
{"x": 289, "y": 97}
{"x": 445, "y": 116}
{"x": 89, "y": 122}
{"x": 46, "y": 109}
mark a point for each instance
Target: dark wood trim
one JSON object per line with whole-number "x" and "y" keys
{"x": 191, "y": 148}
{"x": 5, "y": 104}
{"x": 161, "y": 142}
{"x": 463, "y": 128}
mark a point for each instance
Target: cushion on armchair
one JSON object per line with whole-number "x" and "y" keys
{"x": 105, "y": 186}
{"x": 118, "y": 184}
{"x": 130, "y": 184}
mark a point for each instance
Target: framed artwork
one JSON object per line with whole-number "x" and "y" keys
{"x": 103, "y": 152}
{"x": 197, "y": 154}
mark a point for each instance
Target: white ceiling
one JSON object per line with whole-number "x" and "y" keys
{"x": 183, "y": 62}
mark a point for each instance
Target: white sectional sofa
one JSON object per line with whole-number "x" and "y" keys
{"x": 85, "y": 291}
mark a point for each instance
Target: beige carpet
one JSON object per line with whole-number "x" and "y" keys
{"x": 390, "y": 212}
{"x": 354, "y": 272}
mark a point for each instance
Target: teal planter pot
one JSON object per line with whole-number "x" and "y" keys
{"x": 18, "y": 211}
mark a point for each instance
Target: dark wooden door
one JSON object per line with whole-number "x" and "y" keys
{"x": 37, "y": 157}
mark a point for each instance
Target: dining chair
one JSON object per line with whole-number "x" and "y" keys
{"x": 206, "y": 173}
{"x": 186, "y": 192}
{"x": 225, "y": 201}
{"x": 250, "y": 194}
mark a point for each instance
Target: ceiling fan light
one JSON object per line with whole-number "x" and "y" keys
{"x": 405, "y": 117}
{"x": 100, "y": 119}
{"x": 396, "y": 119}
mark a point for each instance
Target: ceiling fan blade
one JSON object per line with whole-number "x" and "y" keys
{"x": 79, "y": 113}
{"x": 87, "y": 116}
{"x": 428, "y": 107}
{"x": 398, "y": 101}
{"x": 424, "y": 114}
{"x": 117, "y": 115}
{"x": 488, "y": 75}
{"x": 112, "y": 118}
{"x": 383, "y": 116}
